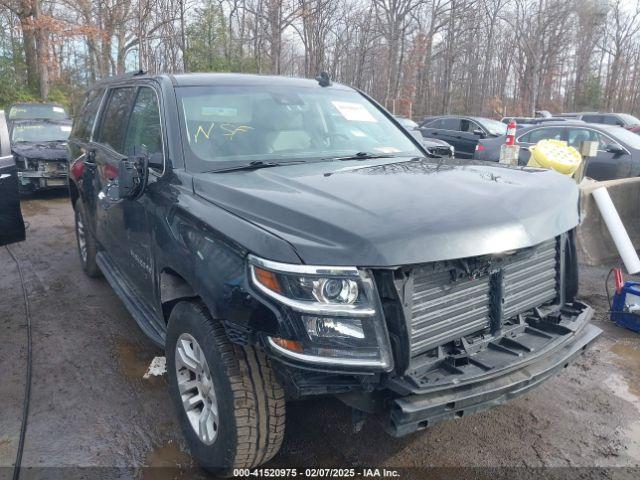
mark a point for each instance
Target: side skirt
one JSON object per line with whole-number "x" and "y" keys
{"x": 139, "y": 310}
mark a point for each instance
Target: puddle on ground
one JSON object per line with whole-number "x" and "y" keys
{"x": 168, "y": 462}
{"x": 134, "y": 362}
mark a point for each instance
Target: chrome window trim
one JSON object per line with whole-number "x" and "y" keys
{"x": 347, "y": 362}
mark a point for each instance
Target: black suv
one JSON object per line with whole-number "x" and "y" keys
{"x": 284, "y": 238}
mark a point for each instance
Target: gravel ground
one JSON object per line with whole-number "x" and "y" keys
{"x": 90, "y": 406}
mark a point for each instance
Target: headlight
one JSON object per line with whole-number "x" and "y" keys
{"x": 335, "y": 314}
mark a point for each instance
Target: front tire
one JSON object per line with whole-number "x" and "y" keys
{"x": 230, "y": 406}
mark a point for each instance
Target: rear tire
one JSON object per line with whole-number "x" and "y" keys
{"x": 248, "y": 421}
{"x": 87, "y": 246}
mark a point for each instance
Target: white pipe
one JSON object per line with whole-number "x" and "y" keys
{"x": 616, "y": 229}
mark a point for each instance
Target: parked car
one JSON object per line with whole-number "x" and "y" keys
{"x": 461, "y": 132}
{"x": 11, "y": 223}
{"x": 40, "y": 151}
{"x": 618, "y": 151}
{"x": 620, "y": 119}
{"x": 283, "y": 238}
{"x": 435, "y": 147}
{"x": 32, "y": 111}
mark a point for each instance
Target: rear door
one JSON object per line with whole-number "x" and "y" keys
{"x": 11, "y": 223}
{"x": 444, "y": 128}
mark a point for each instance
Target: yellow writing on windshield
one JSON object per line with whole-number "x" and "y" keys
{"x": 232, "y": 131}
{"x": 204, "y": 132}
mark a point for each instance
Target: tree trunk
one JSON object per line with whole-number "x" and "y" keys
{"x": 42, "y": 52}
{"x": 29, "y": 43}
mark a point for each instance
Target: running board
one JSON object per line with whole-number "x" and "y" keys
{"x": 139, "y": 310}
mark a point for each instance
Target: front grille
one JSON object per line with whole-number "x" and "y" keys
{"x": 531, "y": 282}
{"x": 451, "y": 300}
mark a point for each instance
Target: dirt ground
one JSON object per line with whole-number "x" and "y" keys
{"x": 90, "y": 406}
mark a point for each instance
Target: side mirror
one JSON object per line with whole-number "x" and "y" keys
{"x": 478, "y": 132}
{"x": 615, "y": 149}
{"x": 132, "y": 176}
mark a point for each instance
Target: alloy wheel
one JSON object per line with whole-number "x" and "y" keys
{"x": 196, "y": 388}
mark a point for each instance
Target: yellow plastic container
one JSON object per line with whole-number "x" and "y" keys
{"x": 556, "y": 155}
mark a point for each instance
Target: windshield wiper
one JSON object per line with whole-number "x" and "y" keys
{"x": 361, "y": 156}
{"x": 255, "y": 165}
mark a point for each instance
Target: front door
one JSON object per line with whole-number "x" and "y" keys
{"x": 11, "y": 223}
{"x": 612, "y": 161}
{"x": 143, "y": 135}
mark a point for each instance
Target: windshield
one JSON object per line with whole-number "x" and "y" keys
{"x": 29, "y": 111}
{"x": 40, "y": 132}
{"x": 494, "y": 126}
{"x": 623, "y": 135}
{"x": 263, "y": 123}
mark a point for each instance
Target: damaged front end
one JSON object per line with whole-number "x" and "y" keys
{"x": 461, "y": 335}
{"x": 37, "y": 173}
{"x": 481, "y": 330}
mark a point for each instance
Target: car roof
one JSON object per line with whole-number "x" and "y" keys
{"x": 220, "y": 79}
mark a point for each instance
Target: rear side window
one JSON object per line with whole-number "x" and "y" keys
{"x": 449, "y": 124}
{"x": 114, "y": 118}
{"x": 549, "y": 133}
{"x": 444, "y": 124}
{"x": 84, "y": 122}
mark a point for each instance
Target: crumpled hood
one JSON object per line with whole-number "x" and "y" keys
{"x": 41, "y": 151}
{"x": 397, "y": 212}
